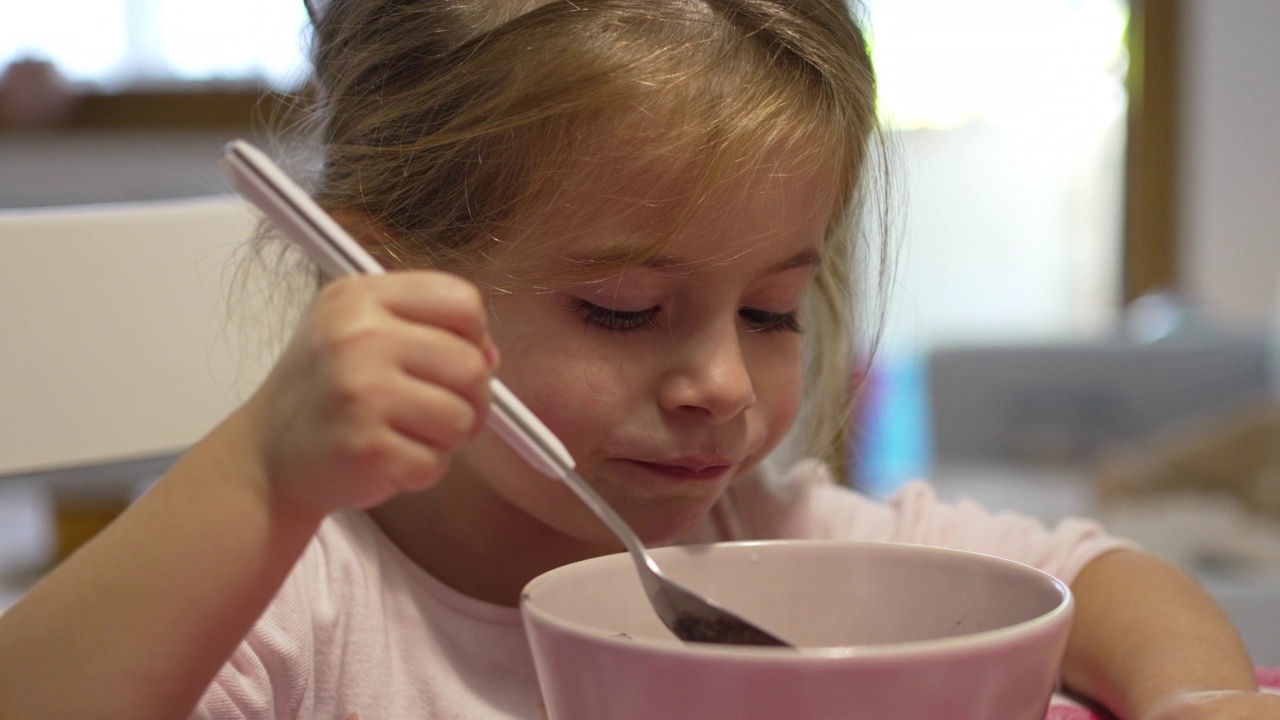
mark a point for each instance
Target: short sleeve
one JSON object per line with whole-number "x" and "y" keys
{"x": 268, "y": 675}
{"x": 1061, "y": 550}
{"x": 805, "y": 502}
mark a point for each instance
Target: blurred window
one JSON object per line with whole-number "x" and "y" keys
{"x": 1009, "y": 119}
{"x": 1009, "y": 116}
{"x": 116, "y": 43}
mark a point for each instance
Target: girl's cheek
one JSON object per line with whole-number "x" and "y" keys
{"x": 787, "y": 418}
{"x": 781, "y": 394}
{"x": 794, "y": 393}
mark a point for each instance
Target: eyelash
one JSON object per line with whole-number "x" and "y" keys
{"x": 634, "y": 321}
{"x": 616, "y": 320}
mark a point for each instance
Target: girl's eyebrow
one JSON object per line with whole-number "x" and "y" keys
{"x": 804, "y": 258}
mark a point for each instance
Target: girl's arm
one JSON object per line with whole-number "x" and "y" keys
{"x": 136, "y": 623}
{"x": 1151, "y": 644}
{"x": 386, "y": 377}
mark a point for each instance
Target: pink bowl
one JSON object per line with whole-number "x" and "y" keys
{"x": 885, "y": 631}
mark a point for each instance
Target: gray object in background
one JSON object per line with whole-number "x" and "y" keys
{"x": 1066, "y": 403}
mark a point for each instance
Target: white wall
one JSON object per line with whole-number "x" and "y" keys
{"x": 1230, "y": 208}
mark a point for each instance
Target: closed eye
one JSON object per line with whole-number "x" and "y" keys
{"x": 765, "y": 321}
{"x": 616, "y": 320}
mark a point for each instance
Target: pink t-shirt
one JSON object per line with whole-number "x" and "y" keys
{"x": 359, "y": 629}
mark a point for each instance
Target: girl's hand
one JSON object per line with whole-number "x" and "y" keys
{"x": 1217, "y": 705}
{"x": 385, "y": 378}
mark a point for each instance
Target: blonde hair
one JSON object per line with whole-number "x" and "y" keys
{"x": 447, "y": 121}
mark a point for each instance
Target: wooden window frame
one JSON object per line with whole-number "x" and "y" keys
{"x": 1152, "y": 159}
{"x": 179, "y": 106}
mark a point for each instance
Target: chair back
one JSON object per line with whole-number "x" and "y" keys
{"x": 115, "y": 340}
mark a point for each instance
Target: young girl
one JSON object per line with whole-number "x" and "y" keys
{"x": 645, "y": 208}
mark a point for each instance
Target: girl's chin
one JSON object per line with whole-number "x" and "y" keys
{"x": 668, "y": 528}
{"x": 653, "y": 528}
{"x": 660, "y": 516}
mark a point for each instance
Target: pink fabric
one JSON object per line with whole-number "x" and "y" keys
{"x": 357, "y": 628}
{"x": 806, "y": 503}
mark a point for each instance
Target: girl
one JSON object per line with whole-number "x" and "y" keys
{"x": 644, "y": 207}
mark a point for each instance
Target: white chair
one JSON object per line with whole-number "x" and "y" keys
{"x": 115, "y": 347}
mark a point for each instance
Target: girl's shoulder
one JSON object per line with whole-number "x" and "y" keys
{"x": 804, "y": 501}
{"x": 800, "y": 500}
{"x": 274, "y": 670}
{"x": 337, "y": 572}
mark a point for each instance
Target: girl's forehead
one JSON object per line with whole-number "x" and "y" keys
{"x": 663, "y": 192}
{"x": 626, "y": 182}
{"x": 759, "y": 217}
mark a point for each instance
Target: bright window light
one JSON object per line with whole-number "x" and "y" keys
{"x": 84, "y": 37}
{"x": 118, "y": 42}
{"x": 1008, "y": 120}
{"x": 196, "y": 38}
{"x": 1073, "y": 47}
{"x": 1013, "y": 63}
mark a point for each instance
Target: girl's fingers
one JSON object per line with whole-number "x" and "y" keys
{"x": 395, "y": 463}
{"x": 432, "y": 416}
{"x": 421, "y": 466}
{"x": 436, "y": 298}
{"x": 412, "y": 357}
{"x": 440, "y": 313}
{"x": 425, "y": 382}
{"x": 437, "y": 357}
{"x": 1216, "y": 705}
{"x": 385, "y": 380}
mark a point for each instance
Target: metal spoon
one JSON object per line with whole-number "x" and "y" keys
{"x": 690, "y": 616}
{"x": 686, "y": 613}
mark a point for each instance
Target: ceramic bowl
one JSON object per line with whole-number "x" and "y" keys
{"x": 884, "y": 631}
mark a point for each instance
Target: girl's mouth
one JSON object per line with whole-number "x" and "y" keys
{"x": 691, "y": 471}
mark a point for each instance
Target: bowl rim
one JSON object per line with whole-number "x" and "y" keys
{"x": 960, "y": 644}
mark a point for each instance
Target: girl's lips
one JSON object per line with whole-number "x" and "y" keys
{"x": 686, "y": 472}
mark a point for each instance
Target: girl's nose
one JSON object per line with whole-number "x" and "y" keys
{"x": 709, "y": 377}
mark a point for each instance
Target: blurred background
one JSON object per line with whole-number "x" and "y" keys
{"x": 1084, "y": 317}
